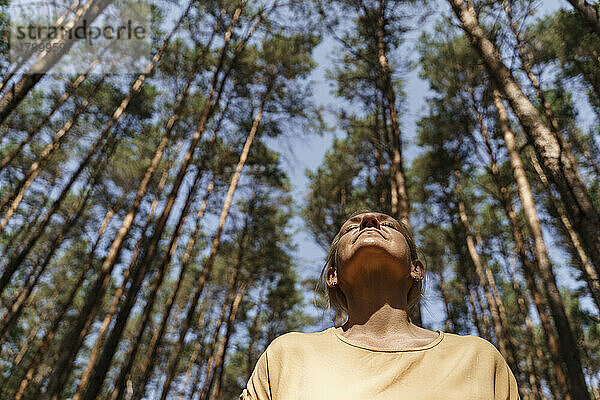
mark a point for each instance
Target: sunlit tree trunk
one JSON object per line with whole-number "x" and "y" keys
{"x": 511, "y": 359}
{"x": 74, "y": 339}
{"x": 215, "y": 244}
{"x": 64, "y": 307}
{"x": 162, "y": 271}
{"x": 480, "y": 266}
{"x": 568, "y": 346}
{"x": 232, "y": 296}
{"x": 589, "y": 273}
{"x": 156, "y": 340}
{"x": 9, "y": 320}
{"x": 31, "y": 133}
{"x": 224, "y": 346}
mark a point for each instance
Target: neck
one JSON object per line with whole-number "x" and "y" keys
{"x": 378, "y": 312}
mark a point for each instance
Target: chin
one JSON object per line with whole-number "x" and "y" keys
{"x": 371, "y": 252}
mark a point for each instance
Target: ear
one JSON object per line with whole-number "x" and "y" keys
{"x": 331, "y": 278}
{"x": 417, "y": 270}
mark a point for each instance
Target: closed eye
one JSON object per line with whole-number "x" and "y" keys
{"x": 390, "y": 225}
{"x": 348, "y": 229}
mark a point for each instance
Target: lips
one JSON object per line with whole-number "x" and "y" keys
{"x": 368, "y": 230}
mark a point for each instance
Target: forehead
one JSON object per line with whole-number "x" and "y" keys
{"x": 380, "y": 216}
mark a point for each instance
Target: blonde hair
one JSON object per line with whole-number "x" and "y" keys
{"x": 336, "y": 299}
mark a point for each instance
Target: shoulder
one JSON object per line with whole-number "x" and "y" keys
{"x": 484, "y": 352}
{"x": 295, "y": 342}
{"x": 471, "y": 344}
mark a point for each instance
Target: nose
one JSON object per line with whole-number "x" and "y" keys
{"x": 369, "y": 221}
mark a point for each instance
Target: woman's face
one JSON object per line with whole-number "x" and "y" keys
{"x": 372, "y": 243}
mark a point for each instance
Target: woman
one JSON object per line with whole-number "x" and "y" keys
{"x": 373, "y": 275}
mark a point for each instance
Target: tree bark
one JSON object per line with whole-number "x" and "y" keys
{"x": 400, "y": 204}
{"x": 568, "y": 346}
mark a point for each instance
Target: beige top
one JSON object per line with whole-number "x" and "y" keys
{"x": 326, "y": 366}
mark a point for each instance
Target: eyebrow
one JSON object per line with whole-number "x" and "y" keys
{"x": 357, "y": 218}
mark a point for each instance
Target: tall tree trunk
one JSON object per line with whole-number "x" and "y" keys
{"x": 224, "y": 346}
{"x": 400, "y": 204}
{"x": 568, "y": 346}
{"x": 527, "y": 67}
{"x": 588, "y": 13}
{"x": 203, "y": 329}
{"x": 480, "y": 266}
{"x": 156, "y": 340}
{"x": 64, "y": 307}
{"x": 18, "y": 192}
{"x": 46, "y": 60}
{"x": 591, "y": 277}
{"x": 108, "y": 352}
{"x": 510, "y": 346}
{"x": 213, "y": 252}
{"x": 73, "y": 340}
{"x": 214, "y": 343}
{"x": 32, "y": 132}
{"x": 529, "y": 270}
{"x": 558, "y": 160}
{"x": 9, "y": 320}
{"x": 162, "y": 271}
{"x": 232, "y": 295}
